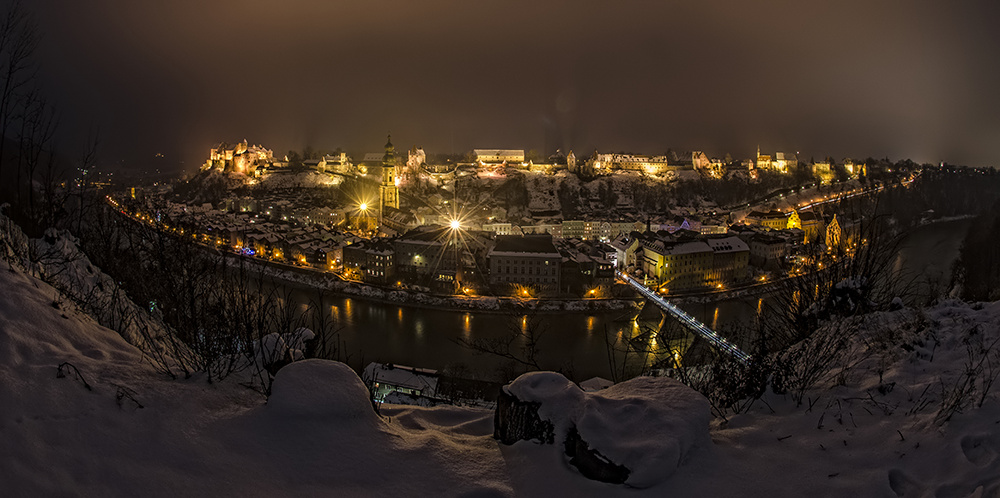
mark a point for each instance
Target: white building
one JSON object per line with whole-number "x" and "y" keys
{"x": 633, "y": 162}
{"x": 497, "y": 156}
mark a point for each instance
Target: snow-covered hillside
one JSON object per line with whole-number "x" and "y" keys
{"x": 134, "y": 433}
{"x": 108, "y": 424}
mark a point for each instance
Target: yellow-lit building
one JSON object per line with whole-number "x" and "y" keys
{"x": 763, "y": 160}
{"x": 499, "y": 156}
{"x": 810, "y": 223}
{"x": 630, "y": 162}
{"x": 774, "y": 220}
{"x": 388, "y": 190}
{"x": 794, "y": 221}
{"x": 784, "y": 161}
{"x": 239, "y": 158}
{"x": 833, "y": 235}
{"x": 694, "y": 263}
{"x": 824, "y": 171}
{"x": 854, "y": 169}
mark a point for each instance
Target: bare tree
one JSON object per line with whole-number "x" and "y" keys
{"x": 520, "y": 344}
{"x": 18, "y": 43}
{"x": 37, "y": 127}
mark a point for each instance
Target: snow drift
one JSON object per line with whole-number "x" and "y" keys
{"x": 649, "y": 425}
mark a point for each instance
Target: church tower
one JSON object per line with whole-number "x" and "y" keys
{"x": 794, "y": 220}
{"x": 833, "y": 233}
{"x": 388, "y": 192}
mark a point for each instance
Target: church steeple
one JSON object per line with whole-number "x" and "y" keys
{"x": 389, "y": 159}
{"x": 833, "y": 234}
{"x": 388, "y": 192}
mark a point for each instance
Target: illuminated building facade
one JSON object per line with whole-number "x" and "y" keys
{"x": 684, "y": 263}
{"x": 370, "y": 260}
{"x": 499, "y": 156}
{"x": 630, "y": 162}
{"x": 529, "y": 262}
{"x": 238, "y": 158}
{"x": 833, "y": 234}
{"x": 388, "y": 191}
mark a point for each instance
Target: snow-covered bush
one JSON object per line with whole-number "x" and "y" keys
{"x": 648, "y": 425}
{"x": 321, "y": 389}
{"x": 273, "y": 349}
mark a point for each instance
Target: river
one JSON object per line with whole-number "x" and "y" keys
{"x": 573, "y": 343}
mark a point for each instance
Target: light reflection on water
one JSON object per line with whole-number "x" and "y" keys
{"x": 572, "y": 341}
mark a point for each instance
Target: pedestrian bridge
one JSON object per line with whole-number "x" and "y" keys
{"x": 687, "y": 320}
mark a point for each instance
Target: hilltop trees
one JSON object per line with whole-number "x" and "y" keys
{"x": 31, "y": 178}
{"x": 978, "y": 267}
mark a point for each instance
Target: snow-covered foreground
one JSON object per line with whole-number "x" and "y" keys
{"x": 135, "y": 433}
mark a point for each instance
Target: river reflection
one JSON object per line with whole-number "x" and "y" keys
{"x": 575, "y": 343}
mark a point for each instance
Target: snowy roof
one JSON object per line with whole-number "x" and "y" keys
{"x": 809, "y": 216}
{"x": 762, "y": 238}
{"x": 525, "y": 245}
{"x": 727, "y": 244}
{"x": 426, "y": 233}
{"x": 770, "y": 214}
{"x": 401, "y": 376}
{"x": 499, "y": 152}
{"x": 621, "y": 243}
{"x": 692, "y": 247}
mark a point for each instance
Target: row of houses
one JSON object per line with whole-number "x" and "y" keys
{"x": 307, "y": 245}
{"x": 287, "y": 210}
{"x": 447, "y": 261}
{"x": 607, "y": 230}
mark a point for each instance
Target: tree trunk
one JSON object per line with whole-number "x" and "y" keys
{"x": 516, "y": 420}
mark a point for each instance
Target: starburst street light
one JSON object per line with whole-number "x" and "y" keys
{"x": 455, "y": 225}
{"x": 363, "y": 218}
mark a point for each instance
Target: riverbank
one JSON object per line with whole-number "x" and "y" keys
{"x": 309, "y": 278}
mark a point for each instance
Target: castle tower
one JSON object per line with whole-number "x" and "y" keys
{"x": 388, "y": 192}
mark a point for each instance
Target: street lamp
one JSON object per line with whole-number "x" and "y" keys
{"x": 363, "y": 209}
{"x": 455, "y": 225}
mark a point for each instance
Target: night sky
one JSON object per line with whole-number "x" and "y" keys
{"x": 897, "y": 79}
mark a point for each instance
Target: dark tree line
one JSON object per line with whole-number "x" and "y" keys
{"x": 35, "y": 179}
{"x": 977, "y": 270}
{"x": 940, "y": 192}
